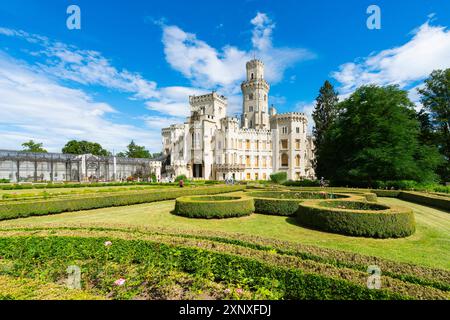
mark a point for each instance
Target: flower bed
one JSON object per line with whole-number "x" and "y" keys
{"x": 214, "y": 207}
{"x": 354, "y": 218}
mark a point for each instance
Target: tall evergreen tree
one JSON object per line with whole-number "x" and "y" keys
{"x": 135, "y": 151}
{"x": 435, "y": 97}
{"x": 324, "y": 114}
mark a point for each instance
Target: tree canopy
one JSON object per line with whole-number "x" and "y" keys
{"x": 375, "y": 137}
{"x": 435, "y": 97}
{"x": 135, "y": 151}
{"x": 31, "y": 146}
{"x": 85, "y": 147}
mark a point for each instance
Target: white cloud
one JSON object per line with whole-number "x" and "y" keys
{"x": 87, "y": 67}
{"x": 223, "y": 68}
{"x": 428, "y": 49}
{"x": 34, "y": 106}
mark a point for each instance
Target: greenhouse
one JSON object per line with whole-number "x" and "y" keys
{"x": 19, "y": 166}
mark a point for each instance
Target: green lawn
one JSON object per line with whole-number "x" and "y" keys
{"x": 429, "y": 246}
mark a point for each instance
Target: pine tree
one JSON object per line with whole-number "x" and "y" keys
{"x": 325, "y": 112}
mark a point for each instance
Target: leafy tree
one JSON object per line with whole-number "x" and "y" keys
{"x": 85, "y": 147}
{"x": 324, "y": 115}
{"x": 435, "y": 97}
{"x": 135, "y": 151}
{"x": 32, "y": 146}
{"x": 376, "y": 137}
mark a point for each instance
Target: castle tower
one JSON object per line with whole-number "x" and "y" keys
{"x": 255, "y": 93}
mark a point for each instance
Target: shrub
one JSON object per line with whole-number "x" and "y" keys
{"x": 284, "y": 203}
{"x": 12, "y": 210}
{"x": 214, "y": 207}
{"x": 4, "y": 181}
{"x": 181, "y": 177}
{"x": 278, "y": 177}
{"x": 346, "y": 217}
{"x": 431, "y": 200}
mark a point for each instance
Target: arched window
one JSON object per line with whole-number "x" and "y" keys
{"x": 297, "y": 160}
{"x": 253, "y": 76}
{"x": 284, "y": 160}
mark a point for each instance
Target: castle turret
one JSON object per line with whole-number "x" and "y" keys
{"x": 255, "y": 92}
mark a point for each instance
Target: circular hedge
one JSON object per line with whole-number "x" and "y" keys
{"x": 214, "y": 207}
{"x": 285, "y": 203}
{"x": 356, "y": 218}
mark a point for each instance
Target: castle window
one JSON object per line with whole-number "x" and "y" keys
{"x": 256, "y": 176}
{"x": 247, "y": 161}
{"x": 284, "y": 160}
{"x": 249, "y": 176}
{"x": 257, "y": 161}
{"x": 284, "y": 130}
{"x": 297, "y": 130}
{"x": 264, "y": 162}
{"x": 251, "y": 124}
{"x": 250, "y": 109}
{"x": 297, "y": 144}
{"x": 284, "y": 144}
{"x": 253, "y": 76}
{"x": 247, "y": 144}
{"x": 250, "y": 96}
{"x": 297, "y": 160}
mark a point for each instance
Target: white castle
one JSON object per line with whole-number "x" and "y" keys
{"x": 212, "y": 146}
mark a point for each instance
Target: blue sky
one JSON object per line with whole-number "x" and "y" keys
{"x": 129, "y": 70}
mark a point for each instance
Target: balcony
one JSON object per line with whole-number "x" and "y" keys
{"x": 229, "y": 167}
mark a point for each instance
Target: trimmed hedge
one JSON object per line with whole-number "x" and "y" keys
{"x": 283, "y": 203}
{"x": 13, "y": 210}
{"x": 214, "y": 207}
{"x": 278, "y": 177}
{"x": 431, "y": 200}
{"x": 341, "y": 217}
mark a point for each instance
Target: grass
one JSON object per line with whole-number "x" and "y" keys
{"x": 429, "y": 246}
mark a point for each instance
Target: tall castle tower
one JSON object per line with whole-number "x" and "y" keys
{"x": 255, "y": 93}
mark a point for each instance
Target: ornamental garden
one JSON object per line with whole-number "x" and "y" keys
{"x": 214, "y": 241}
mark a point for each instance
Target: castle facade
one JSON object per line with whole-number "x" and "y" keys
{"x": 213, "y": 146}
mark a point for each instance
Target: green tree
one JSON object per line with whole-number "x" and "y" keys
{"x": 324, "y": 114}
{"x": 85, "y": 147}
{"x": 32, "y": 146}
{"x": 435, "y": 97}
{"x": 135, "y": 151}
{"x": 376, "y": 137}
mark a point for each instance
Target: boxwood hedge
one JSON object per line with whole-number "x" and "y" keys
{"x": 20, "y": 209}
{"x": 360, "y": 219}
{"x": 430, "y": 200}
{"x": 214, "y": 207}
{"x": 284, "y": 203}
